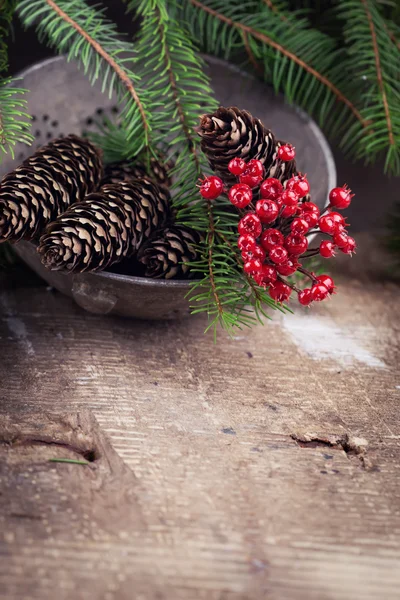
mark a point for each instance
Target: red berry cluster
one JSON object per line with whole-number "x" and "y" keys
{"x": 276, "y": 221}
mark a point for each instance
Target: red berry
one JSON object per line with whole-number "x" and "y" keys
{"x": 310, "y": 212}
{"x": 250, "y": 224}
{"x": 309, "y": 207}
{"x": 339, "y": 220}
{"x": 299, "y": 225}
{"x": 211, "y": 187}
{"x": 240, "y": 195}
{"x": 327, "y": 249}
{"x": 319, "y": 292}
{"x": 289, "y": 198}
{"x": 327, "y": 224}
{"x": 311, "y": 219}
{"x": 340, "y": 197}
{"x": 305, "y": 297}
{"x": 267, "y": 210}
{"x": 296, "y": 243}
{"x": 289, "y": 267}
{"x": 266, "y": 276}
{"x": 271, "y": 189}
{"x": 253, "y": 173}
{"x": 236, "y": 166}
{"x": 299, "y": 184}
{"x": 288, "y": 211}
{"x": 350, "y": 247}
{"x": 341, "y": 238}
{"x": 271, "y": 238}
{"x": 286, "y": 152}
{"x": 258, "y": 252}
{"x": 278, "y": 255}
{"x": 253, "y": 266}
{"x": 328, "y": 282}
{"x": 280, "y": 291}
{"x": 247, "y": 243}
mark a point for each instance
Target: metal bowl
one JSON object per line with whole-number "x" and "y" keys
{"x": 62, "y": 101}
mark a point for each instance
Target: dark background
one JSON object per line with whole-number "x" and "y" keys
{"x": 375, "y": 192}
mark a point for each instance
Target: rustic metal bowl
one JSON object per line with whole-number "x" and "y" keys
{"x": 62, "y": 101}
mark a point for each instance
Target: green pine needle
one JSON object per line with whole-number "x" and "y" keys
{"x": 86, "y": 36}
{"x": 373, "y": 60}
{"x": 14, "y": 121}
{"x": 339, "y": 85}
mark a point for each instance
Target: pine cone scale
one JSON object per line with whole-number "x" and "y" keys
{"x": 46, "y": 183}
{"x": 229, "y": 133}
{"x": 168, "y": 253}
{"x": 106, "y": 227}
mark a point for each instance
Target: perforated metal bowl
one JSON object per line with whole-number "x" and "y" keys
{"x": 62, "y": 101}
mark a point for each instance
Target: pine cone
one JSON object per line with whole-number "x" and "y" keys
{"x": 45, "y": 185}
{"x": 167, "y": 254}
{"x": 106, "y": 227}
{"x": 230, "y": 132}
{"x": 126, "y": 170}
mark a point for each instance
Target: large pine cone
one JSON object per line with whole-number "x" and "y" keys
{"x": 106, "y": 227}
{"x": 45, "y": 185}
{"x": 168, "y": 254}
{"x": 230, "y": 133}
{"x": 126, "y": 170}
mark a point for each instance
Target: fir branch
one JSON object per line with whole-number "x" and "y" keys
{"x": 332, "y": 81}
{"x": 121, "y": 74}
{"x": 258, "y": 35}
{"x": 173, "y": 79}
{"x": 210, "y": 244}
{"x": 379, "y": 71}
{"x": 15, "y": 122}
{"x": 168, "y": 61}
{"x": 373, "y": 59}
{"x": 84, "y": 33}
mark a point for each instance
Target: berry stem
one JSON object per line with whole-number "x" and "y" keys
{"x": 308, "y": 274}
{"x": 291, "y": 285}
{"x": 210, "y": 241}
{"x": 311, "y": 252}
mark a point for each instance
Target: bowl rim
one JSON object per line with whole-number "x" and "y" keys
{"x": 146, "y": 281}
{"x": 186, "y": 283}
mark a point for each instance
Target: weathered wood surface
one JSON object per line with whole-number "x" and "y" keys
{"x": 264, "y": 467}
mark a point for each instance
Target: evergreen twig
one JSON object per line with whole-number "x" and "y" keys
{"x": 347, "y": 80}
{"x": 14, "y": 120}
{"x": 373, "y": 59}
{"x": 341, "y": 97}
{"x": 87, "y": 36}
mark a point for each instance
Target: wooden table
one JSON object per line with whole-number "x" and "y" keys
{"x": 263, "y": 467}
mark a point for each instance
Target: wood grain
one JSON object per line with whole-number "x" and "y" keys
{"x": 220, "y": 472}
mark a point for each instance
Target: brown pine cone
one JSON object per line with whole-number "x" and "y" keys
{"x": 126, "y": 170}
{"x": 45, "y": 185}
{"x": 167, "y": 255}
{"x": 230, "y": 133}
{"x": 106, "y": 227}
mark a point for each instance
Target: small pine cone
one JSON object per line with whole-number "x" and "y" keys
{"x": 106, "y": 227}
{"x": 126, "y": 170}
{"x": 168, "y": 253}
{"x": 45, "y": 185}
{"x": 230, "y": 133}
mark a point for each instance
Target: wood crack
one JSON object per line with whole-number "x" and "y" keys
{"x": 352, "y": 446}
{"x": 89, "y": 454}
